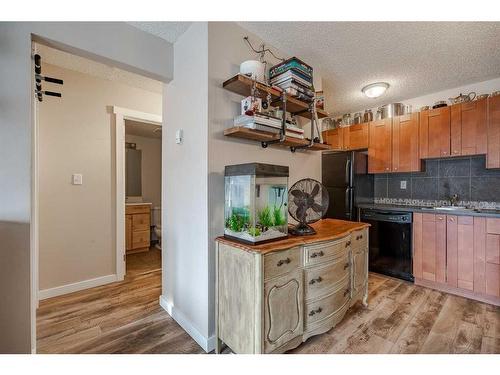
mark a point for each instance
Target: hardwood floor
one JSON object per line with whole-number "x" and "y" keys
{"x": 400, "y": 318}
{"x": 122, "y": 317}
{"x": 404, "y": 318}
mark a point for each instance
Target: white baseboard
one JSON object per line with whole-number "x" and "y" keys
{"x": 207, "y": 344}
{"x": 75, "y": 287}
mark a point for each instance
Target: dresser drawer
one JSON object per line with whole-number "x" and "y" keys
{"x": 320, "y": 279}
{"x": 138, "y": 209}
{"x": 359, "y": 239}
{"x": 281, "y": 262}
{"x": 141, "y": 222}
{"x": 324, "y": 307}
{"x": 140, "y": 239}
{"x": 323, "y": 252}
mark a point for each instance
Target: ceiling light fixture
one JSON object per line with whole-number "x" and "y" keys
{"x": 374, "y": 90}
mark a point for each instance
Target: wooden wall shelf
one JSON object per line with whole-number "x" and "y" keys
{"x": 242, "y": 85}
{"x": 262, "y": 136}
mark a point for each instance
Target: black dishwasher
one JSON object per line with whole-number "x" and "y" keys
{"x": 390, "y": 250}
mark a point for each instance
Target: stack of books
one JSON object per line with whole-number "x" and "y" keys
{"x": 268, "y": 124}
{"x": 294, "y": 77}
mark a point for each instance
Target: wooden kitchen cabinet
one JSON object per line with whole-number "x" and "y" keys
{"x": 458, "y": 254}
{"x": 356, "y": 136}
{"x": 493, "y": 133}
{"x": 380, "y": 146}
{"x": 434, "y": 133}
{"x": 468, "y": 126}
{"x": 405, "y": 152}
{"x": 137, "y": 228}
{"x": 335, "y": 138}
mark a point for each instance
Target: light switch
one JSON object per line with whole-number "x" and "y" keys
{"x": 178, "y": 136}
{"x": 77, "y": 179}
{"x": 403, "y": 185}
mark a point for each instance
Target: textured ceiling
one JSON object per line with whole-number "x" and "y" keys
{"x": 415, "y": 58}
{"x": 80, "y": 64}
{"x": 142, "y": 129}
{"x": 170, "y": 31}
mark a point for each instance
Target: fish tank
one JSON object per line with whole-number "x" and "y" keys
{"x": 256, "y": 202}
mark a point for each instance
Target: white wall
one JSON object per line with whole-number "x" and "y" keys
{"x": 150, "y": 167}
{"x": 76, "y": 135}
{"x": 185, "y": 187}
{"x": 114, "y": 43}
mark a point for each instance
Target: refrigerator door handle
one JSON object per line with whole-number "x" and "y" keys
{"x": 348, "y": 172}
{"x": 348, "y": 201}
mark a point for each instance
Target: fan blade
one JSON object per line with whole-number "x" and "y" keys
{"x": 298, "y": 202}
{"x": 315, "y": 191}
{"x": 301, "y": 213}
{"x": 317, "y": 207}
{"x": 298, "y": 194}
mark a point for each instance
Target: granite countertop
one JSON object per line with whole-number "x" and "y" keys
{"x": 423, "y": 209}
{"x": 326, "y": 230}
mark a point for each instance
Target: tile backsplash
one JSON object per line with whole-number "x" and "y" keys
{"x": 441, "y": 178}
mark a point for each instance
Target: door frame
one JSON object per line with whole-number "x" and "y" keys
{"x": 121, "y": 114}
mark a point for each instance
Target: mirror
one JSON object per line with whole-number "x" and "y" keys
{"x": 133, "y": 173}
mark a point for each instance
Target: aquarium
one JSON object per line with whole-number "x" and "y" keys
{"x": 256, "y": 202}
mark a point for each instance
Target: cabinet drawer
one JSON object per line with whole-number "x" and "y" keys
{"x": 319, "y": 253}
{"x": 140, "y": 222}
{"x": 137, "y": 209}
{"x": 323, "y": 308}
{"x": 140, "y": 239}
{"x": 281, "y": 262}
{"x": 320, "y": 279}
{"x": 359, "y": 239}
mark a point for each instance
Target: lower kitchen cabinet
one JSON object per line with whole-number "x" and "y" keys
{"x": 271, "y": 301}
{"x": 458, "y": 254}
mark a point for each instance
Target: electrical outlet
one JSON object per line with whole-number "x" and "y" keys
{"x": 77, "y": 179}
{"x": 402, "y": 185}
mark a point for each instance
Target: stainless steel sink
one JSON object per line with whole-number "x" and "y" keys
{"x": 451, "y": 208}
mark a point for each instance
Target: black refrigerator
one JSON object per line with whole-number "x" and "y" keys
{"x": 345, "y": 175}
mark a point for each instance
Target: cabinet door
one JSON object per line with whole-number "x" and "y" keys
{"x": 468, "y": 124}
{"x": 405, "y": 155}
{"x": 359, "y": 269}
{"x": 128, "y": 232}
{"x": 283, "y": 312}
{"x": 493, "y": 133}
{"x": 430, "y": 247}
{"x": 434, "y": 133}
{"x": 460, "y": 252}
{"x": 356, "y": 137}
{"x": 380, "y": 146}
{"x": 335, "y": 138}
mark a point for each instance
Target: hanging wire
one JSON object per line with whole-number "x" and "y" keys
{"x": 262, "y": 51}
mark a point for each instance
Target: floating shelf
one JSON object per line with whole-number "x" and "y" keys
{"x": 262, "y": 136}
{"x": 241, "y": 84}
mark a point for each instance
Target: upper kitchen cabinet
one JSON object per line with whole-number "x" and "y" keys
{"x": 468, "y": 123}
{"x": 434, "y": 133}
{"x": 380, "y": 146}
{"x": 356, "y": 136}
{"x": 493, "y": 147}
{"x": 405, "y": 153}
{"x": 335, "y": 138}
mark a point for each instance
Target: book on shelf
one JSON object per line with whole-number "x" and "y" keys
{"x": 292, "y": 84}
{"x": 297, "y": 81}
{"x": 257, "y": 118}
{"x": 292, "y": 74}
{"x": 291, "y": 63}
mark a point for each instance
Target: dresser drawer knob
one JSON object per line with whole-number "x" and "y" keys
{"x": 348, "y": 243}
{"x": 346, "y": 292}
{"x": 346, "y": 266}
{"x": 318, "y": 254}
{"x": 314, "y": 312}
{"x": 283, "y": 261}
{"x": 316, "y": 280}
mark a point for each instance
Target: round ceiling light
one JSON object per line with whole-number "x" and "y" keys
{"x": 374, "y": 90}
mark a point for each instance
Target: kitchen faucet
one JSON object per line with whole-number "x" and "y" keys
{"x": 454, "y": 199}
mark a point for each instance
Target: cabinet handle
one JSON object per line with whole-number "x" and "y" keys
{"x": 395, "y": 168}
{"x": 318, "y": 254}
{"x": 346, "y": 292}
{"x": 360, "y": 237}
{"x": 346, "y": 266}
{"x": 387, "y": 169}
{"x": 452, "y": 219}
{"x": 348, "y": 243}
{"x": 314, "y": 312}
{"x": 317, "y": 280}
{"x": 283, "y": 261}
{"x": 455, "y": 152}
{"x": 440, "y": 218}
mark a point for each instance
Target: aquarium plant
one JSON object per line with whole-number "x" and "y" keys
{"x": 239, "y": 219}
{"x": 265, "y": 218}
{"x": 279, "y": 218}
{"x": 254, "y": 231}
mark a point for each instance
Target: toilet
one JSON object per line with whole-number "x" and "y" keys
{"x": 156, "y": 211}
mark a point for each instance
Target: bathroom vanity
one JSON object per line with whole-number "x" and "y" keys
{"x": 271, "y": 297}
{"x": 137, "y": 227}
